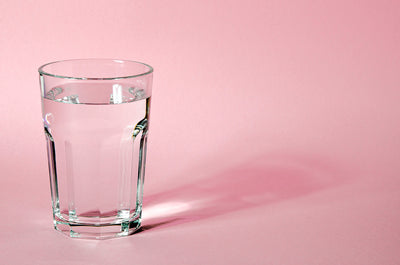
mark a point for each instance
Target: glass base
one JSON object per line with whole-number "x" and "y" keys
{"x": 103, "y": 231}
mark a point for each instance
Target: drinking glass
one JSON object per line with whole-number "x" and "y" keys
{"x": 96, "y": 120}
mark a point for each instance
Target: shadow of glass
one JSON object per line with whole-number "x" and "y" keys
{"x": 261, "y": 181}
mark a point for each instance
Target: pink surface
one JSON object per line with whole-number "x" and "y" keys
{"x": 274, "y": 135}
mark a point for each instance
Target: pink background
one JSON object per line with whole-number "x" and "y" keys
{"x": 274, "y": 134}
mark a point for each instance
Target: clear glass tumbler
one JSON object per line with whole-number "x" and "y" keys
{"x": 96, "y": 118}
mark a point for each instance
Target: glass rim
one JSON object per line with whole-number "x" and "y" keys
{"x": 42, "y": 72}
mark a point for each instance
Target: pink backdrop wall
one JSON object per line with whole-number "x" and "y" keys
{"x": 274, "y": 133}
